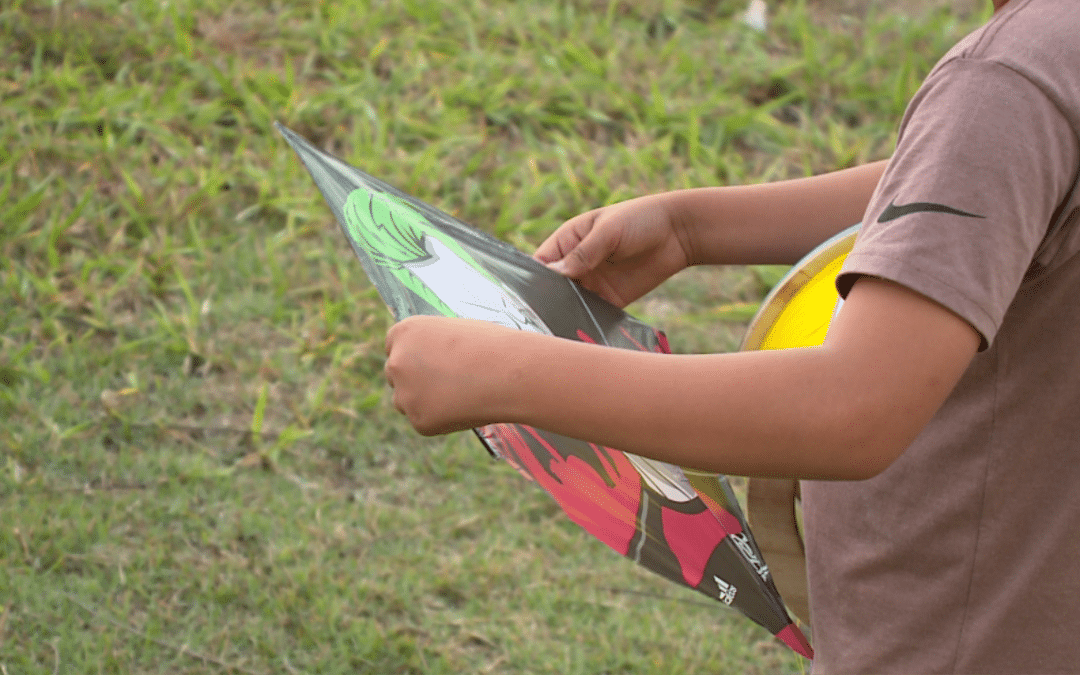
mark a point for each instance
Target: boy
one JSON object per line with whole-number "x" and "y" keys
{"x": 937, "y": 423}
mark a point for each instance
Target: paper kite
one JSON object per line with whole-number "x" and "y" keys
{"x": 684, "y": 525}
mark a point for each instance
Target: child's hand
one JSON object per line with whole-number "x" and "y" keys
{"x": 620, "y": 251}
{"x": 445, "y": 372}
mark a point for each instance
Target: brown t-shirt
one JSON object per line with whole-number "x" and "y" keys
{"x": 964, "y": 555}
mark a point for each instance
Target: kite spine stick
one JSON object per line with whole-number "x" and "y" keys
{"x": 643, "y": 515}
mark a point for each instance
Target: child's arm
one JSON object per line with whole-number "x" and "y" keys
{"x": 774, "y": 222}
{"x": 844, "y": 410}
{"x": 624, "y": 250}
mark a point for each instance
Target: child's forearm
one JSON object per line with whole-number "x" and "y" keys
{"x": 845, "y": 410}
{"x": 776, "y": 222}
{"x": 747, "y": 413}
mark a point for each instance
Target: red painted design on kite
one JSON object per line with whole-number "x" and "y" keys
{"x": 665, "y": 348}
{"x": 606, "y": 508}
{"x": 692, "y": 537}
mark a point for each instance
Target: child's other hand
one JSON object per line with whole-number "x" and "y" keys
{"x": 620, "y": 251}
{"x": 445, "y": 372}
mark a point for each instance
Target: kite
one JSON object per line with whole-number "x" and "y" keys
{"x": 684, "y": 525}
{"x": 796, "y": 313}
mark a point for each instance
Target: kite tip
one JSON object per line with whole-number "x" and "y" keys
{"x": 291, "y": 137}
{"x": 794, "y": 638}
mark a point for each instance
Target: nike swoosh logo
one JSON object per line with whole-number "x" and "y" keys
{"x": 894, "y": 210}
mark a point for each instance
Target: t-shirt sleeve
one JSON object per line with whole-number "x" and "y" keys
{"x": 982, "y": 161}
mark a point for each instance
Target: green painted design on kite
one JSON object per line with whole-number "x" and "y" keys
{"x": 392, "y": 233}
{"x": 400, "y": 239}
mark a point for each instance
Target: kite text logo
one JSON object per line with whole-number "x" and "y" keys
{"x": 742, "y": 542}
{"x": 727, "y": 591}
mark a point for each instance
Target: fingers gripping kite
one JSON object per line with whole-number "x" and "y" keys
{"x": 684, "y": 525}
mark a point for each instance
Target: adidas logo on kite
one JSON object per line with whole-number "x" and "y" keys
{"x": 727, "y": 591}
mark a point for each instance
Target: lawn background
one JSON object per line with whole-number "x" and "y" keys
{"x": 200, "y": 470}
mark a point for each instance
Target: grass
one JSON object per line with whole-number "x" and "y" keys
{"x": 200, "y": 470}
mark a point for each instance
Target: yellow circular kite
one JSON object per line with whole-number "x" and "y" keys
{"x": 796, "y": 313}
